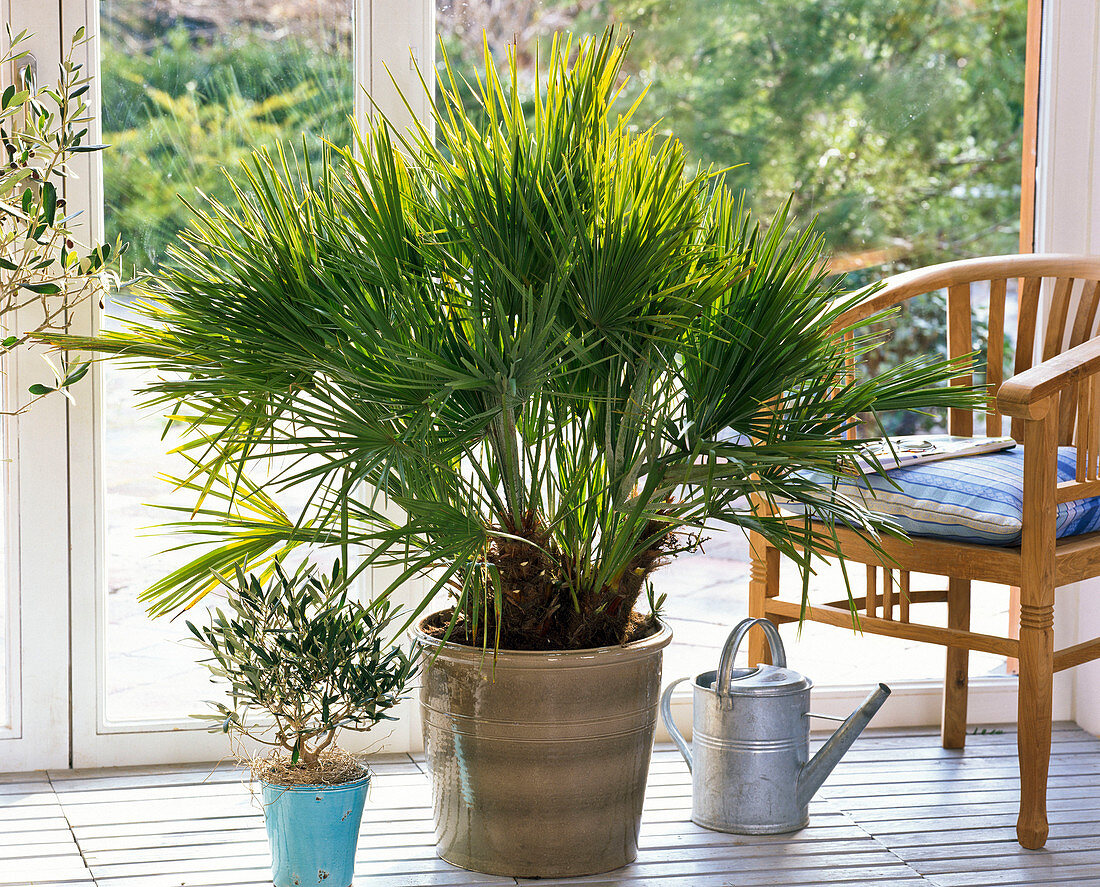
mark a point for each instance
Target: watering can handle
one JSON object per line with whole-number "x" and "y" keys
{"x": 729, "y": 651}
{"x": 666, "y": 716}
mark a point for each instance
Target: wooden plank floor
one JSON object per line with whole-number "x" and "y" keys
{"x": 899, "y": 810}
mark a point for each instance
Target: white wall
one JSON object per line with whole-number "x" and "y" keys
{"x": 1068, "y": 220}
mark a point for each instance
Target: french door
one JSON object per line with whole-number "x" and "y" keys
{"x": 86, "y": 677}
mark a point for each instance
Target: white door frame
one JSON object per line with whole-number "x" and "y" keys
{"x": 36, "y": 530}
{"x": 387, "y": 34}
{"x": 1067, "y": 210}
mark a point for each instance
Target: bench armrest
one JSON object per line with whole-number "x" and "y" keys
{"x": 1027, "y": 395}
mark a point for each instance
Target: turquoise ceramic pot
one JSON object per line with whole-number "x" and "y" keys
{"x": 313, "y": 831}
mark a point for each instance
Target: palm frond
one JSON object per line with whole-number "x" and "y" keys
{"x": 517, "y": 360}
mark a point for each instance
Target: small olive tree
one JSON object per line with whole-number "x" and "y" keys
{"x": 302, "y": 651}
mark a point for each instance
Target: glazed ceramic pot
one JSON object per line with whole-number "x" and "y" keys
{"x": 538, "y": 761}
{"x": 313, "y": 831}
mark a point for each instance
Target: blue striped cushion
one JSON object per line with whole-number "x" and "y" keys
{"x": 969, "y": 499}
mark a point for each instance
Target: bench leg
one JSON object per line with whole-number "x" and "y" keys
{"x": 763, "y": 584}
{"x": 1034, "y": 720}
{"x": 1037, "y": 549}
{"x": 953, "y": 722}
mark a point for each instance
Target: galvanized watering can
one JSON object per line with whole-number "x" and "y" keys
{"x": 750, "y": 769}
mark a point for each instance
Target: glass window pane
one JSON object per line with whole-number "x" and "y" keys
{"x": 188, "y": 89}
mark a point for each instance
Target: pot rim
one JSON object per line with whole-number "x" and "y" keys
{"x": 545, "y": 658}
{"x": 358, "y": 783}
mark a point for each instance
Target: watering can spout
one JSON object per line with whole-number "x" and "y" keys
{"x": 821, "y": 765}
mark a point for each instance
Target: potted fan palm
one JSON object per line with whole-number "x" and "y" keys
{"x": 530, "y": 358}
{"x": 308, "y": 660}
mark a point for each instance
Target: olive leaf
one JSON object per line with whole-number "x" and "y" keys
{"x": 42, "y": 127}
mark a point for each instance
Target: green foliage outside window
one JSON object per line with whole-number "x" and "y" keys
{"x": 182, "y": 111}
{"x": 897, "y": 124}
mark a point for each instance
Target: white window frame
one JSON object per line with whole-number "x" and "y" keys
{"x": 1067, "y": 211}
{"x": 36, "y": 530}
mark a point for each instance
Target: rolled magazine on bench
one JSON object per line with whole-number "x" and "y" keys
{"x": 903, "y": 452}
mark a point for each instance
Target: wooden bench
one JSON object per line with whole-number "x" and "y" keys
{"x": 1052, "y": 399}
